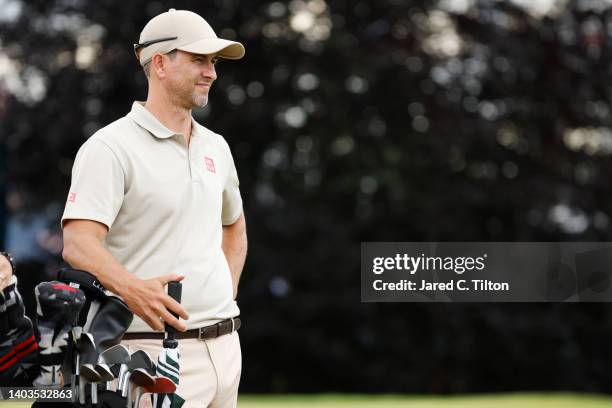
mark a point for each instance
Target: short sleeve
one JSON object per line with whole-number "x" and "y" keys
{"x": 232, "y": 201}
{"x": 97, "y": 187}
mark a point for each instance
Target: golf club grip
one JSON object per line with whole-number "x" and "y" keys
{"x": 174, "y": 291}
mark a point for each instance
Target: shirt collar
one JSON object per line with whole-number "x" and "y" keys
{"x": 148, "y": 121}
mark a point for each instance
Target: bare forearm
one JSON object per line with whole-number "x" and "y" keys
{"x": 147, "y": 298}
{"x": 88, "y": 254}
{"x": 234, "y": 247}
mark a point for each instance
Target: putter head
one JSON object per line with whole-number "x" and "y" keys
{"x": 163, "y": 385}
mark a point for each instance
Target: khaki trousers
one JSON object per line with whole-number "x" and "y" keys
{"x": 209, "y": 370}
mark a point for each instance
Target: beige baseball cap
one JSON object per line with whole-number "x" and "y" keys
{"x": 186, "y": 31}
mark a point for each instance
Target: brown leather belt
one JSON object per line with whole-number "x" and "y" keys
{"x": 203, "y": 333}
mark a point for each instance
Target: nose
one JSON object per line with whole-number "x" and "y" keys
{"x": 208, "y": 70}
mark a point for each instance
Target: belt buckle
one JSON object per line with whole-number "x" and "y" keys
{"x": 200, "y": 334}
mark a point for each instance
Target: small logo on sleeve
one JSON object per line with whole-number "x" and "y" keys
{"x": 210, "y": 164}
{"x": 72, "y": 198}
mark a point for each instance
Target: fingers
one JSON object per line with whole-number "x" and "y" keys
{"x": 154, "y": 306}
{"x": 161, "y": 313}
{"x": 157, "y": 316}
{"x": 154, "y": 322}
{"x": 170, "y": 278}
{"x": 173, "y": 321}
{"x": 176, "y": 307}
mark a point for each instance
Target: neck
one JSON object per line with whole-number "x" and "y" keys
{"x": 171, "y": 115}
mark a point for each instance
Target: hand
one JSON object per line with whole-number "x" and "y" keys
{"x": 149, "y": 301}
{"x": 6, "y": 272}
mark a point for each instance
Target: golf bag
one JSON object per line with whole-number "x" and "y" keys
{"x": 18, "y": 346}
{"x": 76, "y": 320}
{"x": 101, "y": 324}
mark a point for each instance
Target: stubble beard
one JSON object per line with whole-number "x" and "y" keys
{"x": 188, "y": 97}
{"x": 199, "y": 101}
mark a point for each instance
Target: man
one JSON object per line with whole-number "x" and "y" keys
{"x": 154, "y": 199}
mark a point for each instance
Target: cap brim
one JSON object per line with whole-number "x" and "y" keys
{"x": 223, "y": 48}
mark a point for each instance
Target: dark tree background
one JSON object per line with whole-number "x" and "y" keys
{"x": 353, "y": 121}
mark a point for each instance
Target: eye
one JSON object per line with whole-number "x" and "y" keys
{"x": 214, "y": 60}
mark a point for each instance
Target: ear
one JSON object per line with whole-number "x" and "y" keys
{"x": 158, "y": 65}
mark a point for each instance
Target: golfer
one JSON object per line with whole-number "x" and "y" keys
{"x": 154, "y": 198}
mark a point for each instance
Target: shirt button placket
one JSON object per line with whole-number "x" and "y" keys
{"x": 192, "y": 157}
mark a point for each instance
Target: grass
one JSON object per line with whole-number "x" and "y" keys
{"x": 563, "y": 400}
{"x": 557, "y": 400}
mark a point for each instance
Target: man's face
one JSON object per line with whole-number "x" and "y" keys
{"x": 189, "y": 78}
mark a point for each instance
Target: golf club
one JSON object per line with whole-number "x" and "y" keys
{"x": 163, "y": 385}
{"x": 114, "y": 356}
{"x": 87, "y": 373}
{"x": 139, "y": 359}
{"x": 168, "y": 359}
{"x": 140, "y": 378}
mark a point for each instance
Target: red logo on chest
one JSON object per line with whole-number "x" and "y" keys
{"x": 210, "y": 164}
{"x": 72, "y": 197}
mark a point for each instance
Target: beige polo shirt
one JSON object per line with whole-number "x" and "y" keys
{"x": 164, "y": 204}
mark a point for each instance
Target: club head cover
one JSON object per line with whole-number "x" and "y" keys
{"x": 83, "y": 280}
{"x": 58, "y": 302}
{"x": 110, "y": 323}
{"x": 168, "y": 400}
{"x": 168, "y": 364}
{"x": 86, "y": 282}
{"x": 57, "y": 306}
